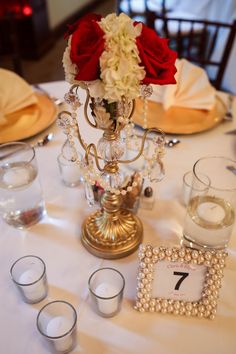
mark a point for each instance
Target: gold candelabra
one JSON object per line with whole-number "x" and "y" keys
{"x": 111, "y": 232}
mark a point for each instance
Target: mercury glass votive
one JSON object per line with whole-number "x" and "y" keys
{"x": 29, "y": 275}
{"x": 56, "y": 322}
{"x": 106, "y": 287}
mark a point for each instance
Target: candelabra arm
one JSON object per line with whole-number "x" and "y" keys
{"x": 82, "y": 143}
{"x": 95, "y": 155}
{"x": 75, "y": 87}
{"x": 147, "y": 131}
{"x": 94, "y": 125}
{"x": 60, "y": 117}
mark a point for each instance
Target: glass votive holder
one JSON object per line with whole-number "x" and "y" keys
{"x": 106, "y": 287}
{"x": 29, "y": 275}
{"x": 188, "y": 188}
{"x": 56, "y": 321}
{"x": 21, "y": 196}
{"x": 210, "y": 214}
{"x": 69, "y": 171}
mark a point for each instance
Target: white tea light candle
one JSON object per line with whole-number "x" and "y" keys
{"x": 32, "y": 292}
{"x": 29, "y": 275}
{"x": 106, "y": 287}
{"x": 108, "y": 304}
{"x": 56, "y": 321}
{"x": 57, "y": 327}
{"x": 211, "y": 212}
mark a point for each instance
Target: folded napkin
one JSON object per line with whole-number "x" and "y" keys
{"x": 15, "y": 94}
{"x": 192, "y": 89}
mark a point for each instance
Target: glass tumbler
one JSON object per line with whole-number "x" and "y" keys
{"x": 56, "y": 322}
{"x": 106, "y": 287}
{"x": 210, "y": 213}
{"x": 29, "y": 275}
{"x": 187, "y": 185}
{"x": 21, "y": 198}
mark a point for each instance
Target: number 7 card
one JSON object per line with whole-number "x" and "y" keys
{"x": 179, "y": 280}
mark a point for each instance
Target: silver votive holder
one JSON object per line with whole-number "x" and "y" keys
{"x": 56, "y": 322}
{"x": 29, "y": 275}
{"x": 106, "y": 287}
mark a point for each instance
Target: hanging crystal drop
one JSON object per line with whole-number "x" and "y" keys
{"x": 89, "y": 195}
{"x": 157, "y": 173}
{"x": 159, "y": 142}
{"x": 69, "y": 152}
{"x": 86, "y": 168}
{"x": 72, "y": 99}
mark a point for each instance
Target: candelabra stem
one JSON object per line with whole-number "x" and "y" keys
{"x": 112, "y": 232}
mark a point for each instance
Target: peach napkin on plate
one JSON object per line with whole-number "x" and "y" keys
{"x": 15, "y": 95}
{"x": 192, "y": 90}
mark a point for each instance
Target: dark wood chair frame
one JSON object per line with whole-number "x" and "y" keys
{"x": 147, "y": 14}
{"x": 206, "y": 38}
{"x": 195, "y": 46}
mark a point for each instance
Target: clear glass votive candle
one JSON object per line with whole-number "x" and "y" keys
{"x": 56, "y": 321}
{"x": 69, "y": 171}
{"x": 106, "y": 287}
{"x": 21, "y": 198}
{"x": 190, "y": 187}
{"x": 29, "y": 275}
{"x": 210, "y": 214}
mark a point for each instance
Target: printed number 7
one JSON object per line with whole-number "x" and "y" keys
{"x": 183, "y": 276}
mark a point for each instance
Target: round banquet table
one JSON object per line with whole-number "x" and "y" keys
{"x": 56, "y": 239}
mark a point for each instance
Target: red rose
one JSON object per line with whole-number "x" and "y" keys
{"x": 87, "y": 45}
{"x": 156, "y": 57}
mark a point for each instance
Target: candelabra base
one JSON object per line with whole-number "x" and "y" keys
{"x": 112, "y": 236}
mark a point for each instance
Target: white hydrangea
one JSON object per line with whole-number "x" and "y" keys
{"x": 120, "y": 70}
{"x": 69, "y": 68}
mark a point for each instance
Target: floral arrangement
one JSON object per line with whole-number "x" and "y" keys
{"x": 114, "y": 56}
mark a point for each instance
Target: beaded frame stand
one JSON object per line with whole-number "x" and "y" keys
{"x": 205, "y": 307}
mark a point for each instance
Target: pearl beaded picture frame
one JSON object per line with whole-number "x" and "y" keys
{"x": 179, "y": 281}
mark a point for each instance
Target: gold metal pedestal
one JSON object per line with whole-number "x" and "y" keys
{"x": 112, "y": 232}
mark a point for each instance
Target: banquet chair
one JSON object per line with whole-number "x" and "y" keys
{"x": 205, "y": 43}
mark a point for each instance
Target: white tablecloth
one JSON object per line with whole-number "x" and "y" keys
{"x": 57, "y": 241}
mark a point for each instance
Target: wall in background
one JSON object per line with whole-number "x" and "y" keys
{"x": 60, "y": 10}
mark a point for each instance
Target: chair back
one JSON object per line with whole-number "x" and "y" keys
{"x": 141, "y": 10}
{"x": 205, "y": 43}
